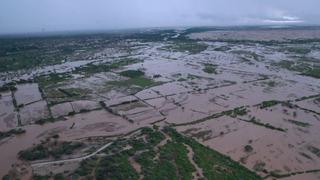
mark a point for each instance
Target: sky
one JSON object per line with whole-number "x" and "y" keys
{"x": 25, "y": 16}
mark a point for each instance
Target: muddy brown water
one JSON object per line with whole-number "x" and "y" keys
{"x": 95, "y": 123}
{"x": 237, "y": 83}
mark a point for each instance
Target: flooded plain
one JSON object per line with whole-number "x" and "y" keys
{"x": 257, "y": 103}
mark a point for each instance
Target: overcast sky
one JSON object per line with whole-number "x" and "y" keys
{"x": 21, "y": 16}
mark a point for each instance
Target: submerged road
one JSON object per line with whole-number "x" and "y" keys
{"x": 73, "y": 159}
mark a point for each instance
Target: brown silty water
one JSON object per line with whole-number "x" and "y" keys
{"x": 237, "y": 83}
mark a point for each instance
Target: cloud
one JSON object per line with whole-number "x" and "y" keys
{"x": 271, "y": 16}
{"x": 277, "y": 16}
{"x": 18, "y": 16}
{"x": 281, "y": 21}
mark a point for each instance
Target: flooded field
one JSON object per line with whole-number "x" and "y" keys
{"x": 250, "y": 95}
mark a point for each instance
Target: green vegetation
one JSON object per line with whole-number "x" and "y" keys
{"x": 203, "y": 135}
{"x": 314, "y": 150}
{"x": 36, "y": 153}
{"x": 271, "y": 83}
{"x": 267, "y": 104}
{"x": 314, "y": 72}
{"x": 303, "y": 68}
{"x": 248, "y": 148}
{"x": 142, "y": 82}
{"x": 297, "y": 50}
{"x": 166, "y": 161}
{"x": 187, "y": 46}
{"x": 54, "y": 93}
{"x": 11, "y": 132}
{"x": 173, "y": 163}
{"x": 152, "y": 138}
{"x": 52, "y": 79}
{"x": 55, "y": 177}
{"x": 307, "y": 97}
{"x": 239, "y": 111}
{"x": 299, "y": 123}
{"x": 181, "y": 79}
{"x": 6, "y": 177}
{"x": 46, "y": 120}
{"x": 132, "y": 73}
{"x": 154, "y": 35}
{"x": 17, "y": 56}
{"x": 61, "y": 94}
{"x": 276, "y": 174}
{"x": 37, "y": 177}
{"x": 31, "y": 52}
{"x": 8, "y": 87}
{"x": 267, "y": 125}
{"x": 54, "y": 149}
{"x": 259, "y": 166}
{"x": 74, "y": 92}
{"x": 110, "y": 167}
{"x": 213, "y": 164}
{"x": 248, "y": 54}
{"x": 91, "y": 68}
{"x": 210, "y": 68}
{"x": 222, "y": 48}
{"x": 213, "y": 116}
{"x": 117, "y": 166}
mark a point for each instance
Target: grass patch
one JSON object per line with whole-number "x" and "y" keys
{"x": 297, "y": 50}
{"x": 210, "y": 69}
{"x": 303, "y": 68}
{"x": 91, "y": 68}
{"x": 132, "y": 73}
{"x": 267, "y": 104}
{"x": 142, "y": 82}
{"x": 187, "y": 46}
{"x": 54, "y": 93}
{"x": 52, "y": 79}
{"x": 315, "y": 72}
{"x": 74, "y": 92}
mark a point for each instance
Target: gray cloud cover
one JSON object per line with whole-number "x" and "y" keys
{"x": 17, "y": 16}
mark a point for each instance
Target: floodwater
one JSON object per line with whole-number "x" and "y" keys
{"x": 27, "y": 93}
{"x": 276, "y": 149}
{"x": 91, "y": 124}
{"x": 34, "y": 112}
{"x": 186, "y": 93}
{"x": 8, "y": 117}
{"x": 260, "y": 35}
